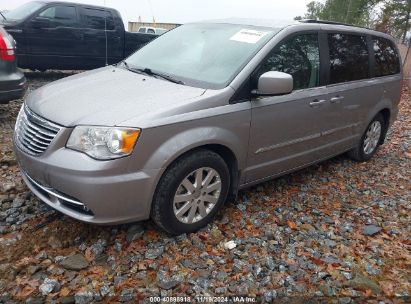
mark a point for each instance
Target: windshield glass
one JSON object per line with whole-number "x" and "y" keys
{"x": 23, "y": 11}
{"x": 202, "y": 55}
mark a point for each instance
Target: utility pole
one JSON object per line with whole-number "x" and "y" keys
{"x": 348, "y": 11}
{"x": 407, "y": 21}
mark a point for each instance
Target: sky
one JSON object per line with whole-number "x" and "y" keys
{"x": 183, "y": 11}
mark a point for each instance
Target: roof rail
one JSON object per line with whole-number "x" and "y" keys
{"x": 329, "y": 22}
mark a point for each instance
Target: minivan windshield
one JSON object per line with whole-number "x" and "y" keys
{"x": 23, "y": 11}
{"x": 202, "y": 55}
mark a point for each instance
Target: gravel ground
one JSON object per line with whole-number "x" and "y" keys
{"x": 336, "y": 232}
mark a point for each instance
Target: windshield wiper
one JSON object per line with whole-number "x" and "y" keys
{"x": 150, "y": 72}
{"x": 127, "y": 66}
{"x": 134, "y": 70}
{"x": 156, "y": 74}
{"x": 164, "y": 76}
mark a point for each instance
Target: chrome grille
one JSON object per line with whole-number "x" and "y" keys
{"x": 33, "y": 133}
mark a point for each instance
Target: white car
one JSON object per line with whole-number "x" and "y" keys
{"x": 152, "y": 30}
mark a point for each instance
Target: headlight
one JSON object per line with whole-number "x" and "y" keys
{"x": 103, "y": 142}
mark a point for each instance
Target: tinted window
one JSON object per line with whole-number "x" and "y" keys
{"x": 60, "y": 15}
{"x": 151, "y": 31}
{"x": 348, "y": 57}
{"x": 298, "y": 56}
{"x": 387, "y": 60}
{"x": 98, "y": 19}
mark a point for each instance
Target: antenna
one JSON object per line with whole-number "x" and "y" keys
{"x": 105, "y": 31}
{"x": 1, "y": 13}
{"x": 151, "y": 9}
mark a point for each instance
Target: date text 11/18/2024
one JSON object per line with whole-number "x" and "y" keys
{"x": 204, "y": 299}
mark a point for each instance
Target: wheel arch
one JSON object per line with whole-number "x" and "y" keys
{"x": 229, "y": 157}
{"x": 386, "y": 114}
{"x": 384, "y": 108}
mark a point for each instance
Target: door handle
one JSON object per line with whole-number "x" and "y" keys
{"x": 317, "y": 102}
{"x": 336, "y": 99}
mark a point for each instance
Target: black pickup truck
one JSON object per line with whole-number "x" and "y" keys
{"x": 69, "y": 36}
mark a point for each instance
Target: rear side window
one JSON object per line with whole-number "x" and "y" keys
{"x": 387, "y": 60}
{"x": 60, "y": 15}
{"x": 298, "y": 56}
{"x": 98, "y": 19}
{"x": 348, "y": 57}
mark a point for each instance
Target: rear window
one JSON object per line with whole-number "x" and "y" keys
{"x": 98, "y": 19}
{"x": 387, "y": 60}
{"x": 348, "y": 57}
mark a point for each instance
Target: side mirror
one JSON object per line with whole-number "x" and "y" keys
{"x": 275, "y": 83}
{"x": 40, "y": 22}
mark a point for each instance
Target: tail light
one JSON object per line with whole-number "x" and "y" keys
{"x": 6, "y": 46}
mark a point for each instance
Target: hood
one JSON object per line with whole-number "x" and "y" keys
{"x": 107, "y": 96}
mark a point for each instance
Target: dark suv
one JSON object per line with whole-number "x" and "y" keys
{"x": 12, "y": 81}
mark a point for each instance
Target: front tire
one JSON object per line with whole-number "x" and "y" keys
{"x": 370, "y": 140}
{"x": 191, "y": 192}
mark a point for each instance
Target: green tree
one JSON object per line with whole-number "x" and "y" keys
{"x": 314, "y": 10}
{"x": 384, "y": 21}
{"x": 396, "y": 18}
{"x": 356, "y": 12}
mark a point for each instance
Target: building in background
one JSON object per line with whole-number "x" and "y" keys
{"x": 134, "y": 26}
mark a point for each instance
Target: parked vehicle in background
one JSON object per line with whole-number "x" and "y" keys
{"x": 70, "y": 36}
{"x": 203, "y": 111}
{"x": 151, "y": 30}
{"x": 12, "y": 81}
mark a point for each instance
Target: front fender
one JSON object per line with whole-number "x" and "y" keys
{"x": 228, "y": 126}
{"x": 188, "y": 140}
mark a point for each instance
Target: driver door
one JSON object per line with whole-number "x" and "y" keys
{"x": 286, "y": 130}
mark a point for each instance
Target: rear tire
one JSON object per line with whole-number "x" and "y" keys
{"x": 191, "y": 192}
{"x": 370, "y": 140}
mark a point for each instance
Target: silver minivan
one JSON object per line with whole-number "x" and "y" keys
{"x": 204, "y": 110}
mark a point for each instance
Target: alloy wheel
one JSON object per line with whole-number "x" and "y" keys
{"x": 372, "y": 137}
{"x": 197, "y": 195}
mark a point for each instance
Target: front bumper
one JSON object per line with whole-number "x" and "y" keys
{"x": 100, "y": 192}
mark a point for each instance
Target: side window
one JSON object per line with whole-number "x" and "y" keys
{"x": 348, "y": 57}
{"x": 60, "y": 15}
{"x": 98, "y": 19}
{"x": 150, "y": 31}
{"x": 298, "y": 56}
{"x": 387, "y": 60}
